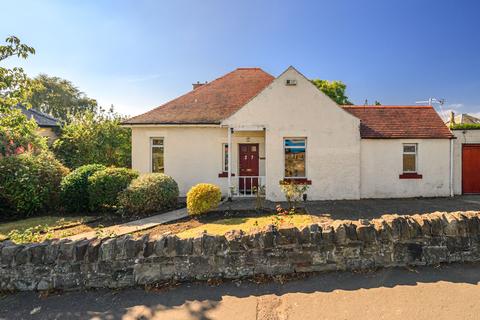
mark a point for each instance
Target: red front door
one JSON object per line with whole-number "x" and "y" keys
{"x": 248, "y": 167}
{"x": 471, "y": 168}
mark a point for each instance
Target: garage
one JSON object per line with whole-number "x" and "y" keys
{"x": 470, "y": 168}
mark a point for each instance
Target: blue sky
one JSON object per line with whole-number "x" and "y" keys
{"x": 138, "y": 54}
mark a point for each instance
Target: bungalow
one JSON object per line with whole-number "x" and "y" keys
{"x": 248, "y": 129}
{"x": 48, "y": 126}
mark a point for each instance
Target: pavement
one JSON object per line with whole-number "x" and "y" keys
{"x": 444, "y": 292}
{"x": 137, "y": 225}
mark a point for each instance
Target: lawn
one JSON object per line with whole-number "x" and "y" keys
{"x": 42, "y": 224}
{"x": 248, "y": 224}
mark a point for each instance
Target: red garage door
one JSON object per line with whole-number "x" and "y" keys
{"x": 471, "y": 168}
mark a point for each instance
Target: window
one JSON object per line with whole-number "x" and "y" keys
{"x": 410, "y": 157}
{"x": 295, "y": 151}
{"x": 157, "y": 154}
{"x": 225, "y": 157}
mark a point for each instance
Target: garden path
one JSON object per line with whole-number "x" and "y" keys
{"x": 134, "y": 226}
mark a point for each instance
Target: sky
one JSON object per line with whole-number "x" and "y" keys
{"x": 139, "y": 54}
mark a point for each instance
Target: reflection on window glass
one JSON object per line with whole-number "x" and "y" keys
{"x": 410, "y": 157}
{"x": 295, "y": 150}
{"x": 225, "y": 157}
{"x": 157, "y": 155}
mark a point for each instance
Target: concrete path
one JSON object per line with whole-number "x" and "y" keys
{"x": 136, "y": 225}
{"x": 446, "y": 292}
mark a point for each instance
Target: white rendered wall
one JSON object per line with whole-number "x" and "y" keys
{"x": 333, "y": 137}
{"x": 192, "y": 154}
{"x": 382, "y": 163}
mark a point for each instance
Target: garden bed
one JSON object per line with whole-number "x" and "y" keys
{"x": 220, "y": 222}
{"x": 40, "y": 228}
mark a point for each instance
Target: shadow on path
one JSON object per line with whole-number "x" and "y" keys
{"x": 199, "y": 298}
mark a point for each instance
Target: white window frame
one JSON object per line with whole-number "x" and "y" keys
{"x": 151, "y": 152}
{"x": 295, "y": 147}
{"x": 409, "y": 152}
{"x": 224, "y": 157}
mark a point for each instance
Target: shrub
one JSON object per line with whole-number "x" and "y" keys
{"x": 149, "y": 193}
{"x": 29, "y": 183}
{"x": 74, "y": 187}
{"x": 202, "y": 198}
{"x": 293, "y": 193}
{"x": 105, "y": 185}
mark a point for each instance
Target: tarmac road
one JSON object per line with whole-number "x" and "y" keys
{"x": 446, "y": 292}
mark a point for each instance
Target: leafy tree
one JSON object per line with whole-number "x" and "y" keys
{"x": 334, "y": 89}
{"x": 59, "y": 97}
{"x": 377, "y": 103}
{"x": 17, "y": 133}
{"x": 94, "y": 138}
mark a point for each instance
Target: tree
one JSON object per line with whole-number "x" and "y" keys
{"x": 334, "y": 89}
{"x": 59, "y": 97}
{"x": 17, "y": 133}
{"x": 90, "y": 137}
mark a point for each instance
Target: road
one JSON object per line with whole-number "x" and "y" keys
{"x": 447, "y": 292}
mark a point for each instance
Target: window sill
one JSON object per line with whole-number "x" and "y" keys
{"x": 225, "y": 175}
{"x": 410, "y": 175}
{"x": 297, "y": 181}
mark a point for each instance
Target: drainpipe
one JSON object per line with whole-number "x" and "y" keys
{"x": 229, "y": 173}
{"x": 451, "y": 167}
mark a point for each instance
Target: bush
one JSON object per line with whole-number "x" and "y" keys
{"x": 202, "y": 198}
{"x": 293, "y": 193}
{"x": 149, "y": 193}
{"x": 29, "y": 183}
{"x": 105, "y": 185}
{"x": 74, "y": 188}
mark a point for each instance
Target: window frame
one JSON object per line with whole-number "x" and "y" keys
{"x": 151, "y": 152}
{"x": 295, "y": 147}
{"x": 409, "y": 152}
{"x": 224, "y": 158}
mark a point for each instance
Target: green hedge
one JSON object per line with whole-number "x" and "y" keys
{"x": 74, "y": 188}
{"x": 105, "y": 185}
{"x": 149, "y": 193}
{"x": 466, "y": 126}
{"x": 30, "y": 184}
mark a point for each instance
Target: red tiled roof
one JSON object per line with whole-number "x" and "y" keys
{"x": 210, "y": 103}
{"x": 391, "y": 122}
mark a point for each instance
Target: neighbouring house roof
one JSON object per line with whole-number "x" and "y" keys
{"x": 209, "y": 103}
{"x": 464, "y": 118}
{"x": 393, "y": 122}
{"x": 42, "y": 119}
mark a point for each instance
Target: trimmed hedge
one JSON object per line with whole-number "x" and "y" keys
{"x": 29, "y": 183}
{"x": 202, "y": 198}
{"x": 149, "y": 193}
{"x": 105, "y": 185}
{"x": 74, "y": 188}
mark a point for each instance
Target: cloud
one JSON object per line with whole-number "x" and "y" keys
{"x": 455, "y": 106}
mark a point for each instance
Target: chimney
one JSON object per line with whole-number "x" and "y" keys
{"x": 198, "y": 84}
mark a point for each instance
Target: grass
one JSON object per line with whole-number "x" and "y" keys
{"x": 44, "y": 221}
{"x": 248, "y": 224}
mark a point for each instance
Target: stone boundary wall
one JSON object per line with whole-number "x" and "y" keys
{"x": 344, "y": 245}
